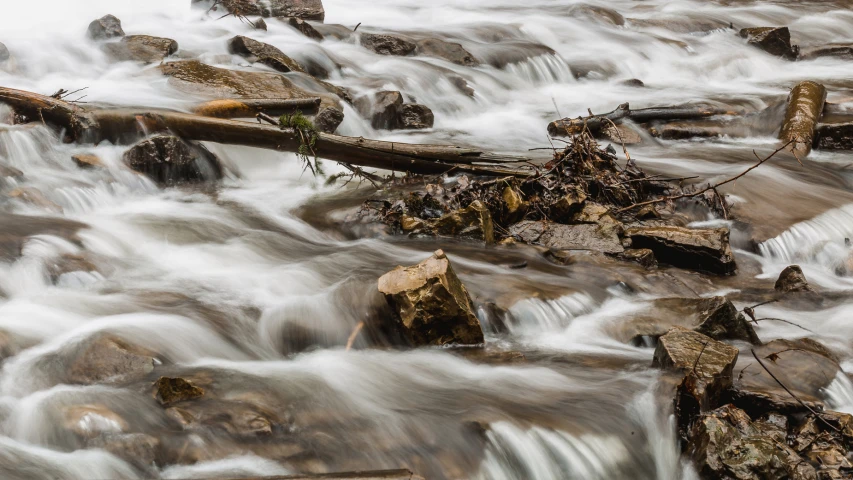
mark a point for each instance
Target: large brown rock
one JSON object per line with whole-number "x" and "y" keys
{"x": 305, "y": 28}
{"x": 105, "y": 27}
{"x": 804, "y": 366}
{"x": 594, "y": 237}
{"x": 450, "y": 51}
{"x": 141, "y": 48}
{"x": 263, "y": 53}
{"x": 474, "y": 221}
{"x": 773, "y": 40}
{"x": 387, "y": 44}
{"x": 792, "y": 279}
{"x": 168, "y": 160}
{"x": 726, "y": 443}
{"x": 108, "y": 359}
{"x": 432, "y": 304}
{"x": 696, "y": 249}
{"x": 383, "y": 109}
{"x": 307, "y": 9}
{"x": 706, "y": 367}
{"x": 414, "y": 116}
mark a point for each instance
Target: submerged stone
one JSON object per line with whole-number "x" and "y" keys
{"x": 307, "y": 9}
{"x": 168, "y": 160}
{"x": 169, "y": 390}
{"x": 387, "y": 44}
{"x": 108, "y": 359}
{"x": 450, "y": 51}
{"x": 431, "y": 303}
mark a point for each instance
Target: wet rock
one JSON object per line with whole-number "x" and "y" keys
{"x": 4, "y": 53}
{"x": 804, "y": 366}
{"x": 260, "y": 52}
{"x": 450, "y": 51}
{"x": 8, "y": 171}
{"x": 643, "y": 256}
{"x": 773, "y": 40}
{"x": 474, "y": 222}
{"x": 383, "y": 110}
{"x": 792, "y": 279}
{"x": 90, "y": 421}
{"x": 462, "y": 85}
{"x": 432, "y": 305}
{"x": 622, "y": 135}
{"x": 569, "y": 237}
{"x": 305, "y": 28}
{"x": 514, "y": 205}
{"x": 719, "y": 319}
{"x": 141, "y": 48}
{"x": 69, "y": 263}
{"x": 307, "y": 9}
{"x": 168, "y": 160}
{"x": 696, "y": 249}
{"x": 387, "y": 44}
{"x": 138, "y": 449}
{"x": 109, "y": 359}
{"x": 415, "y": 117}
{"x": 412, "y": 224}
{"x": 105, "y": 27}
{"x": 835, "y": 50}
{"x": 237, "y": 419}
{"x": 16, "y": 229}
{"x": 168, "y": 391}
{"x": 834, "y": 136}
{"x": 260, "y": 24}
{"x": 87, "y": 160}
{"x": 328, "y": 120}
{"x": 597, "y": 14}
{"x": 633, "y": 82}
{"x": 680, "y": 24}
{"x": 725, "y": 443}
{"x": 707, "y": 367}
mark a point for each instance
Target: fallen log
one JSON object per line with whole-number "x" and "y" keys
{"x": 128, "y": 124}
{"x": 596, "y": 123}
{"x": 372, "y": 475}
{"x": 805, "y": 107}
{"x": 249, "y": 107}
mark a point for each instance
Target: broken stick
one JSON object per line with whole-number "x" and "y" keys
{"x": 596, "y": 123}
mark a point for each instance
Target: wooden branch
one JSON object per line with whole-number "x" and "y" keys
{"x": 712, "y": 187}
{"x": 596, "y": 123}
{"x": 805, "y": 107}
{"x": 128, "y": 124}
{"x": 249, "y": 107}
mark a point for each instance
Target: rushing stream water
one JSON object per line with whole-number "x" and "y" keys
{"x": 219, "y": 282}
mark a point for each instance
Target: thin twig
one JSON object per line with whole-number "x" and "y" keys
{"x": 354, "y": 335}
{"x": 712, "y": 187}
{"x": 791, "y": 393}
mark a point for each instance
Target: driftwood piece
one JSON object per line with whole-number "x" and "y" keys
{"x": 249, "y": 107}
{"x": 124, "y": 124}
{"x": 596, "y": 123}
{"x": 805, "y": 107}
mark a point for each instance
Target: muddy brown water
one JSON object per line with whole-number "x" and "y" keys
{"x": 228, "y": 285}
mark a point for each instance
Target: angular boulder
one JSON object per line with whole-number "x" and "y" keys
{"x": 105, "y": 27}
{"x": 792, "y": 279}
{"x": 141, "y": 48}
{"x": 696, "y": 249}
{"x": 474, "y": 222}
{"x": 643, "y": 256}
{"x": 305, "y": 28}
{"x": 169, "y": 390}
{"x": 431, "y": 303}
{"x": 169, "y": 160}
{"x": 514, "y": 205}
{"x": 260, "y": 52}
{"x": 450, "y": 51}
{"x": 726, "y": 443}
{"x": 706, "y": 368}
{"x": 307, "y": 9}
{"x": 773, "y": 40}
{"x": 109, "y": 359}
{"x": 569, "y": 205}
{"x": 383, "y": 109}
{"x": 804, "y": 366}
{"x": 415, "y": 117}
{"x": 328, "y": 119}
{"x": 834, "y": 136}
{"x": 388, "y": 44}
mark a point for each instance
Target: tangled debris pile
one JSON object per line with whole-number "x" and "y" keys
{"x": 583, "y": 199}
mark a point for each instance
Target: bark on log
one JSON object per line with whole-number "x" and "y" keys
{"x": 805, "y": 107}
{"x": 249, "y": 107}
{"x": 372, "y": 475}
{"x": 596, "y": 123}
{"x": 127, "y": 125}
